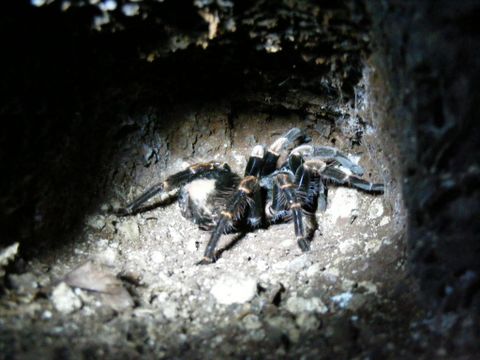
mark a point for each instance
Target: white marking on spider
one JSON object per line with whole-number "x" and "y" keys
{"x": 200, "y": 190}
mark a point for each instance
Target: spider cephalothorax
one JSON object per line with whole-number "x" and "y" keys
{"x": 217, "y": 199}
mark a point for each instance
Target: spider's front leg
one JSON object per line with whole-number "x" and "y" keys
{"x": 242, "y": 200}
{"x": 172, "y": 183}
{"x": 247, "y": 198}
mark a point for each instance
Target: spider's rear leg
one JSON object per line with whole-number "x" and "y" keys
{"x": 325, "y": 153}
{"x": 172, "y": 183}
{"x": 340, "y": 177}
{"x": 243, "y": 198}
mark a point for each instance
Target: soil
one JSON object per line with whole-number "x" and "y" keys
{"x": 349, "y": 297}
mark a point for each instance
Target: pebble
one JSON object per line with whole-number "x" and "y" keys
{"x": 252, "y": 322}
{"x": 375, "y": 209}
{"x": 313, "y": 270}
{"x": 96, "y": 222}
{"x": 64, "y": 299}
{"x": 7, "y": 255}
{"x": 169, "y": 309}
{"x": 307, "y": 321}
{"x": 298, "y": 263}
{"x": 342, "y": 203}
{"x": 129, "y": 230}
{"x": 108, "y": 256}
{"x": 24, "y": 284}
{"x": 297, "y": 305}
{"x": 230, "y": 290}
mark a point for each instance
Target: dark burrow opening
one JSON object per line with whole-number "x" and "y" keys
{"x": 103, "y": 100}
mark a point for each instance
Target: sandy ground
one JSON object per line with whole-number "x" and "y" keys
{"x": 349, "y": 297}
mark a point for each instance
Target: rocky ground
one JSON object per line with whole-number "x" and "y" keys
{"x": 129, "y": 286}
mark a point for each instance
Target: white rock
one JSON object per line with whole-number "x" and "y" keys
{"x": 298, "y": 263}
{"x": 96, "y": 222}
{"x": 157, "y": 257}
{"x": 342, "y": 203}
{"x": 385, "y": 220}
{"x": 343, "y": 299}
{"x": 375, "y": 209}
{"x": 307, "y": 321}
{"x": 231, "y": 290}
{"x": 129, "y": 230}
{"x": 108, "y": 256}
{"x": 7, "y": 255}
{"x": 313, "y": 270}
{"x": 370, "y": 286}
{"x": 297, "y": 305}
{"x": 169, "y": 309}
{"x": 346, "y": 246}
{"x": 64, "y": 299}
{"x": 252, "y": 322}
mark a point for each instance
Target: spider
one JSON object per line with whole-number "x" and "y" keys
{"x": 217, "y": 199}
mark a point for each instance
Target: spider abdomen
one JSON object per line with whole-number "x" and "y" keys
{"x": 202, "y": 200}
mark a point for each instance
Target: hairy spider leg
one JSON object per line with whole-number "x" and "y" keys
{"x": 309, "y": 189}
{"x": 289, "y": 199}
{"x": 248, "y": 197}
{"x": 174, "y": 182}
{"x": 293, "y": 136}
{"x": 310, "y": 152}
{"x": 241, "y": 200}
{"x": 340, "y": 177}
{"x": 255, "y": 165}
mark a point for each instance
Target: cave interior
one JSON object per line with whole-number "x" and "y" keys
{"x": 103, "y": 99}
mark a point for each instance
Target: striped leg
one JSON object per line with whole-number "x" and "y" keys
{"x": 235, "y": 210}
{"x": 327, "y": 153}
{"x": 288, "y": 197}
{"x": 172, "y": 183}
{"x": 293, "y": 136}
{"x": 339, "y": 177}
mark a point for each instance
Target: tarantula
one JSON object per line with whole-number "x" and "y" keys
{"x": 217, "y": 199}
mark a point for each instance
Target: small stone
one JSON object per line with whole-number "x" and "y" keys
{"x": 157, "y": 257}
{"x": 169, "y": 309}
{"x": 343, "y": 202}
{"x": 369, "y": 286}
{"x": 24, "y": 284}
{"x": 108, "y": 256}
{"x": 297, "y": 305}
{"x": 96, "y": 222}
{"x": 385, "y": 220}
{"x": 375, "y": 209}
{"x": 313, "y": 270}
{"x": 7, "y": 255}
{"x": 331, "y": 274}
{"x": 47, "y": 315}
{"x": 129, "y": 230}
{"x": 252, "y": 322}
{"x": 97, "y": 278}
{"x": 298, "y": 263}
{"x": 294, "y": 335}
{"x": 307, "y": 321}
{"x": 358, "y": 301}
{"x": 231, "y": 290}
{"x": 343, "y": 299}
{"x": 346, "y": 246}
{"x": 64, "y": 299}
